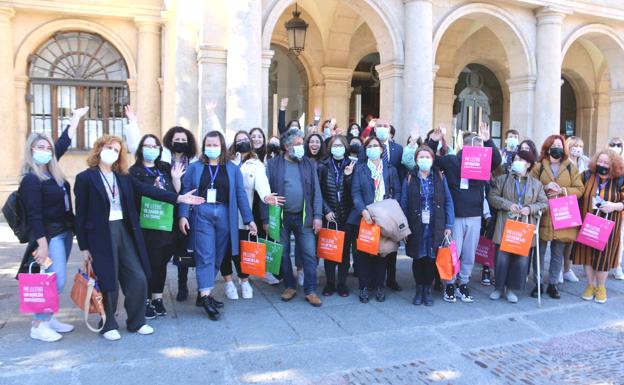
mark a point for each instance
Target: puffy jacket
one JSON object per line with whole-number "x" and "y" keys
{"x": 330, "y": 191}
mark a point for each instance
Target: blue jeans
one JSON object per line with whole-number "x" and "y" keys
{"x": 212, "y": 238}
{"x": 59, "y": 249}
{"x": 304, "y": 241}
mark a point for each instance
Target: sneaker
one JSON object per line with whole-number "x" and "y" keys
{"x": 182, "y": 292}
{"x": 511, "y": 297}
{"x": 427, "y": 297}
{"x": 570, "y": 276}
{"x": 288, "y": 294}
{"x": 464, "y": 293}
{"x": 231, "y": 292}
{"x": 380, "y": 296}
{"x": 449, "y": 293}
{"x": 150, "y": 311}
{"x": 300, "y": 277}
{"x": 589, "y": 292}
{"x": 601, "y": 295}
{"x": 246, "y": 290}
{"x": 560, "y": 279}
{"x": 313, "y": 300}
{"x": 496, "y": 294}
{"x": 60, "y": 327}
{"x": 112, "y": 335}
{"x": 553, "y": 291}
{"x": 208, "y": 304}
{"x": 485, "y": 276}
{"x": 145, "y": 330}
{"x": 270, "y": 279}
{"x": 618, "y": 274}
{"x": 534, "y": 291}
{"x": 329, "y": 290}
{"x": 44, "y": 332}
{"x": 159, "y": 307}
{"x": 364, "y": 295}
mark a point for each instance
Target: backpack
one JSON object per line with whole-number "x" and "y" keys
{"x": 15, "y": 214}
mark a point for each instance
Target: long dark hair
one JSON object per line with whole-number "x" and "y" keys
{"x": 260, "y": 152}
{"x": 232, "y": 150}
{"x": 191, "y": 152}
{"x": 138, "y": 154}
{"x": 224, "y": 154}
{"x": 321, "y": 152}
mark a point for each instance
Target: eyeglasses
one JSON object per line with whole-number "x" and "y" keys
{"x": 615, "y": 145}
{"x": 373, "y": 146}
{"x": 151, "y": 147}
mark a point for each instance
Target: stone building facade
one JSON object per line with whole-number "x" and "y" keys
{"x": 538, "y": 66}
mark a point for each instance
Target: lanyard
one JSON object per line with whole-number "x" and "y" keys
{"x": 213, "y": 176}
{"x": 156, "y": 174}
{"x": 521, "y": 194}
{"x": 600, "y": 187}
{"x": 111, "y": 189}
{"x": 424, "y": 190}
{"x": 337, "y": 176}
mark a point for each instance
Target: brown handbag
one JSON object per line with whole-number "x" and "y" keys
{"x": 88, "y": 297}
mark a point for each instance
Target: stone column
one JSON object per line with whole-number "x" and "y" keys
{"x": 586, "y": 128}
{"x": 601, "y": 119}
{"x": 211, "y": 62}
{"x": 21, "y": 112}
{"x": 548, "y": 86}
{"x": 444, "y": 91}
{"x": 267, "y": 55}
{"x": 616, "y": 112}
{"x": 244, "y": 65}
{"x": 521, "y": 101}
{"x": 316, "y": 95}
{"x": 337, "y": 94}
{"x": 13, "y": 156}
{"x": 418, "y": 70}
{"x": 390, "y": 94}
{"x": 148, "y": 74}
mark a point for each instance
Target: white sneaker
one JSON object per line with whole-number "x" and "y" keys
{"x": 560, "y": 280}
{"x": 60, "y": 327}
{"x": 270, "y": 279}
{"x": 145, "y": 330}
{"x": 44, "y": 333}
{"x": 570, "y": 276}
{"x": 230, "y": 290}
{"x": 496, "y": 294}
{"x": 112, "y": 335}
{"x": 618, "y": 273}
{"x": 511, "y": 297}
{"x": 300, "y": 277}
{"x": 246, "y": 289}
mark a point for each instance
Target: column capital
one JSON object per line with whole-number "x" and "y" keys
{"x": 207, "y": 53}
{"x": 551, "y": 15}
{"x": 522, "y": 83}
{"x": 148, "y": 24}
{"x": 267, "y": 56}
{"x": 337, "y": 74}
{"x": 389, "y": 70}
{"x": 7, "y": 12}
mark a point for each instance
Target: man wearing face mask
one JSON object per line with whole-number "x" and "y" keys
{"x": 511, "y": 148}
{"x": 294, "y": 177}
{"x": 468, "y": 199}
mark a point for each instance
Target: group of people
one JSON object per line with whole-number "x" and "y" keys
{"x": 222, "y": 195}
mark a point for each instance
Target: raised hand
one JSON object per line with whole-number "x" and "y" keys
{"x": 177, "y": 171}
{"x": 283, "y": 104}
{"x": 437, "y": 134}
{"x": 210, "y": 106}
{"x": 130, "y": 113}
{"x": 484, "y": 131}
{"x": 80, "y": 112}
{"x": 349, "y": 168}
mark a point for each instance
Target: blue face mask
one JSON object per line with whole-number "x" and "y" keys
{"x": 212, "y": 152}
{"x": 424, "y": 164}
{"x": 298, "y": 151}
{"x": 42, "y": 157}
{"x": 338, "y": 152}
{"x": 382, "y": 133}
{"x": 518, "y": 166}
{"x": 150, "y": 154}
{"x": 327, "y": 132}
{"x": 373, "y": 153}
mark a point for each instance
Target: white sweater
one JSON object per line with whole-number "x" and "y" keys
{"x": 255, "y": 179}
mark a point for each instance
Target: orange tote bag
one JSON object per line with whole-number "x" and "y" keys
{"x": 517, "y": 237}
{"x": 253, "y": 258}
{"x": 368, "y": 238}
{"x": 330, "y": 244}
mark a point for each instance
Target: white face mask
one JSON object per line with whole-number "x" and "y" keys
{"x": 109, "y": 156}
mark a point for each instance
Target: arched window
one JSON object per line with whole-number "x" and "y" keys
{"x": 75, "y": 69}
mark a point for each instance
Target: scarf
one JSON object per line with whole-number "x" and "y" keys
{"x": 378, "y": 180}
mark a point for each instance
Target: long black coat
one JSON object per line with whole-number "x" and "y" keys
{"x": 92, "y": 225}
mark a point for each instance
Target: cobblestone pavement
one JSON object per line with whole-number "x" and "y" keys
{"x": 264, "y": 340}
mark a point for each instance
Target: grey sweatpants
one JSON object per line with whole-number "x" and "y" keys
{"x": 466, "y": 233}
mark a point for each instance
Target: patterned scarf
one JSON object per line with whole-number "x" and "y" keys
{"x": 377, "y": 175}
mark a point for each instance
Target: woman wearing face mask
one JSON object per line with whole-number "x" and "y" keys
{"x": 575, "y": 145}
{"x": 373, "y": 180}
{"x": 529, "y": 145}
{"x": 428, "y": 206}
{"x": 559, "y": 177}
{"x": 335, "y": 180}
{"x": 315, "y": 147}
{"x": 515, "y": 195}
{"x": 180, "y": 150}
{"x": 46, "y": 197}
{"x": 616, "y": 145}
{"x": 256, "y": 183}
{"x": 604, "y": 194}
{"x": 273, "y": 149}
{"x": 213, "y": 226}
{"x": 258, "y": 143}
{"x": 108, "y": 231}
{"x": 354, "y": 131}
{"x": 160, "y": 244}
{"x": 355, "y": 149}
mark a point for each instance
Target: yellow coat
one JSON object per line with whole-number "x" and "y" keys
{"x": 568, "y": 178}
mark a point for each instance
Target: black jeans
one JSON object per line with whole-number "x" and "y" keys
{"x": 391, "y": 261}
{"x": 343, "y": 268}
{"x": 424, "y": 270}
{"x": 371, "y": 271}
{"x": 226, "y": 265}
{"x": 160, "y": 247}
{"x": 131, "y": 278}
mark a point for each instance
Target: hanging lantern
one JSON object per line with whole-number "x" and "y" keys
{"x": 296, "y": 29}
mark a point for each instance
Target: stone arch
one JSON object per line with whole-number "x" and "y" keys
{"x": 501, "y": 23}
{"x": 382, "y": 23}
{"x": 42, "y": 33}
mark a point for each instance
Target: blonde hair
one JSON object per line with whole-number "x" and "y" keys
{"x": 29, "y": 165}
{"x": 120, "y": 165}
{"x": 574, "y": 141}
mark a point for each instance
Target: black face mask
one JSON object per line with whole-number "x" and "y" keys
{"x": 602, "y": 170}
{"x": 273, "y": 148}
{"x": 243, "y": 147}
{"x": 556, "y": 152}
{"x": 180, "y": 147}
{"x": 355, "y": 148}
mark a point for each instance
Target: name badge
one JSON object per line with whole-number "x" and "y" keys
{"x": 211, "y": 196}
{"x": 426, "y": 217}
{"x": 464, "y": 184}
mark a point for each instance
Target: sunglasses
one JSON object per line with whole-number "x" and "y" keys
{"x": 615, "y": 145}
